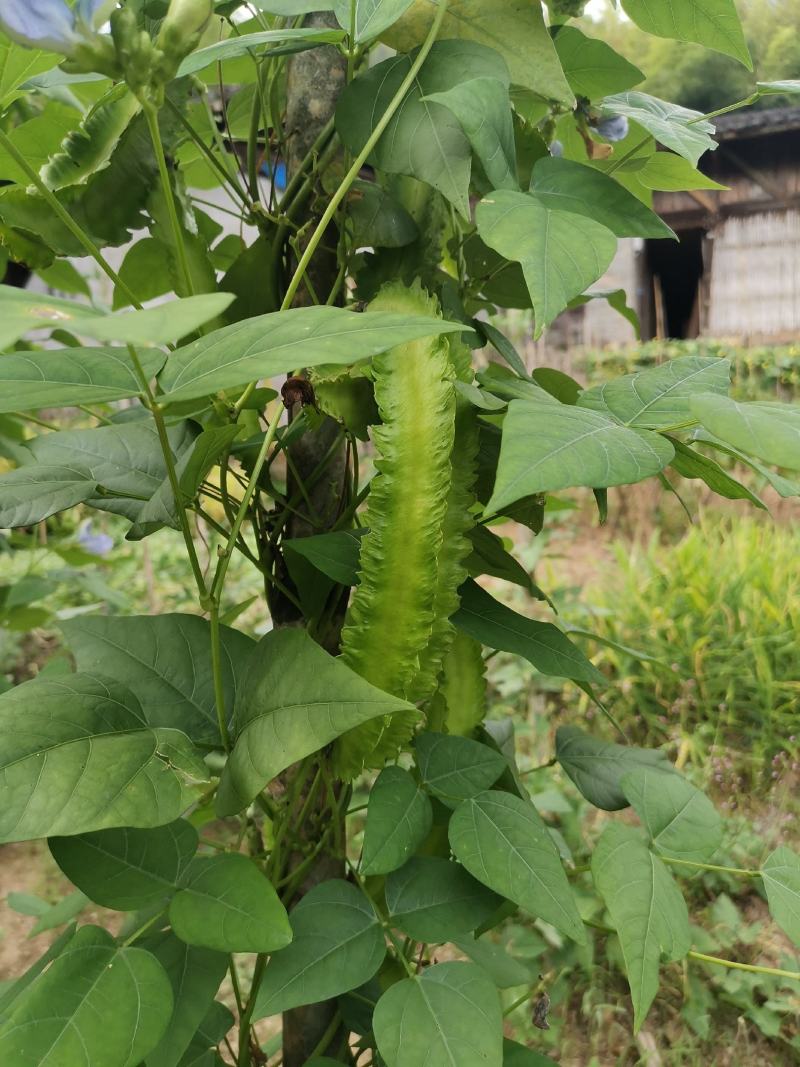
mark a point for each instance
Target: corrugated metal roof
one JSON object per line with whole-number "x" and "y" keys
{"x": 744, "y": 124}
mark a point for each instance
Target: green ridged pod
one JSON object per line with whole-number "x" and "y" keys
{"x": 458, "y": 521}
{"x": 391, "y": 615}
{"x": 459, "y": 704}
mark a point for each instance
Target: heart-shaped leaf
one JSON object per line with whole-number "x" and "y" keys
{"x": 713, "y": 23}
{"x": 338, "y": 945}
{"x": 88, "y": 731}
{"x": 504, "y": 843}
{"x": 596, "y": 767}
{"x": 127, "y": 869}
{"x": 457, "y": 1019}
{"x": 456, "y": 768}
{"x": 781, "y": 875}
{"x": 226, "y": 903}
{"x": 295, "y": 700}
{"x": 399, "y": 818}
{"x": 431, "y": 899}
{"x": 681, "y": 821}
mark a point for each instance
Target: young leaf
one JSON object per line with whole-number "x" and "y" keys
{"x": 670, "y": 173}
{"x": 273, "y": 344}
{"x": 195, "y": 975}
{"x": 781, "y": 875}
{"x": 226, "y": 903}
{"x": 483, "y": 107}
{"x": 504, "y": 970}
{"x": 127, "y": 869}
{"x": 35, "y": 492}
{"x": 646, "y": 908}
{"x": 62, "y": 377}
{"x": 166, "y": 661}
{"x": 423, "y": 140}
{"x": 504, "y": 843}
{"x": 431, "y": 899}
{"x": 713, "y": 23}
{"x": 399, "y": 818}
{"x": 541, "y": 643}
{"x": 548, "y": 446}
{"x": 681, "y": 821}
{"x": 561, "y": 253}
{"x": 596, "y": 767}
{"x": 338, "y": 945}
{"x": 334, "y": 554}
{"x": 455, "y": 768}
{"x": 691, "y": 464}
{"x": 565, "y": 185}
{"x": 658, "y": 398}
{"x": 764, "y": 429}
{"x": 295, "y": 700}
{"x": 64, "y": 1016}
{"x": 456, "y": 1014}
{"x": 369, "y": 18}
{"x": 679, "y": 128}
{"x": 84, "y": 729}
{"x": 593, "y": 69}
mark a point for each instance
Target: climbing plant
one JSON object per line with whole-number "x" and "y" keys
{"x": 200, "y": 782}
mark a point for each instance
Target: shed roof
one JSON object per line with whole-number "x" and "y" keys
{"x": 746, "y": 124}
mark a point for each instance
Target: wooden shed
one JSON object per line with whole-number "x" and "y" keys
{"x": 736, "y": 272}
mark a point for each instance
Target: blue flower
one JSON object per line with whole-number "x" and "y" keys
{"x": 612, "y": 127}
{"x": 50, "y": 24}
{"x": 97, "y": 544}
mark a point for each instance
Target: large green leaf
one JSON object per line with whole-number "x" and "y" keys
{"x": 670, "y": 173}
{"x": 32, "y": 493}
{"x": 456, "y": 768}
{"x": 658, "y": 398}
{"x": 11, "y": 991}
{"x": 338, "y": 945}
{"x": 423, "y": 140}
{"x": 784, "y": 487}
{"x": 23, "y": 311}
{"x": 513, "y": 28}
{"x": 541, "y": 643}
{"x": 166, "y": 661}
{"x": 504, "y": 970}
{"x": 399, "y": 818}
{"x": 284, "y": 42}
{"x": 283, "y": 341}
{"x": 335, "y": 554}
{"x": 127, "y": 869}
{"x": 503, "y": 841}
{"x": 295, "y": 700}
{"x": 36, "y": 139}
{"x": 431, "y": 899}
{"x": 96, "y": 1004}
{"x": 561, "y": 253}
{"x": 125, "y": 459}
{"x": 646, "y": 908}
{"x": 596, "y": 766}
{"x": 681, "y": 821}
{"x": 369, "y": 18}
{"x": 226, "y": 903}
{"x": 87, "y": 149}
{"x": 202, "y": 1049}
{"x": 48, "y": 379}
{"x": 78, "y": 755}
{"x": 676, "y": 127}
{"x": 547, "y": 447}
{"x": 592, "y": 67}
{"x": 17, "y": 65}
{"x": 456, "y": 1016}
{"x": 764, "y": 429}
{"x": 565, "y": 185}
{"x": 781, "y": 874}
{"x": 195, "y": 975}
{"x": 483, "y": 107}
{"x": 713, "y": 23}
